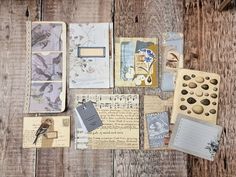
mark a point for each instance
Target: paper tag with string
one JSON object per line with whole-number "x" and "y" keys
{"x": 88, "y": 116}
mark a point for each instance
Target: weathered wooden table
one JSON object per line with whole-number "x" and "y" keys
{"x": 210, "y": 45}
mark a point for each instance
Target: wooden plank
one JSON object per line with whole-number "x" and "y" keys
{"x": 70, "y": 162}
{"x": 14, "y": 161}
{"x": 210, "y": 45}
{"x": 224, "y": 4}
{"x": 149, "y": 18}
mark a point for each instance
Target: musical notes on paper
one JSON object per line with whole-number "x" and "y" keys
{"x": 120, "y": 117}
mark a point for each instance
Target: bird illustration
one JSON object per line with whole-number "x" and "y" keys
{"x": 42, "y": 130}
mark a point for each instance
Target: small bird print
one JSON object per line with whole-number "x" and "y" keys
{"x": 42, "y": 130}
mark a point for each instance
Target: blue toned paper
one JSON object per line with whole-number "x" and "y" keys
{"x": 127, "y": 60}
{"x": 158, "y": 128}
{"x": 168, "y": 82}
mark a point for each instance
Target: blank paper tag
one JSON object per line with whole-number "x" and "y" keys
{"x": 91, "y": 51}
{"x": 88, "y": 116}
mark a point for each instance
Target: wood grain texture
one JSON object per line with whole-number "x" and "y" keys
{"x": 149, "y": 18}
{"x": 210, "y": 45}
{"x": 14, "y": 161}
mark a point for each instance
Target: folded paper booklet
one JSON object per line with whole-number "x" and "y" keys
{"x": 91, "y": 55}
{"x": 45, "y": 132}
{"x": 196, "y": 95}
{"x": 136, "y": 62}
{"x": 46, "y": 67}
{"x": 172, "y": 59}
{"x": 195, "y": 137}
{"x": 157, "y": 128}
{"x": 120, "y": 118}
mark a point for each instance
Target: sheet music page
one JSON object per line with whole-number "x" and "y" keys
{"x": 196, "y": 137}
{"x": 120, "y": 117}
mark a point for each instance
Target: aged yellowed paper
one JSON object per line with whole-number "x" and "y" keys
{"x": 120, "y": 117}
{"x": 48, "y": 131}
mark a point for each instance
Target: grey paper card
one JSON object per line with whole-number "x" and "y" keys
{"x": 158, "y": 128}
{"x": 88, "y": 117}
{"x": 196, "y": 137}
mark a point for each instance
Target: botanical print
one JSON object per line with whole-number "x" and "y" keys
{"x": 45, "y": 97}
{"x": 137, "y": 61}
{"x": 212, "y": 147}
{"x": 173, "y": 50}
{"x": 158, "y": 128}
{"x": 89, "y": 72}
{"x": 47, "y": 67}
{"x": 46, "y": 37}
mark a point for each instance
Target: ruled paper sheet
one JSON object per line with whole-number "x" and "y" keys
{"x": 195, "y": 137}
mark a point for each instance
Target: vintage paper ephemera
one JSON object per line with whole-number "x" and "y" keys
{"x": 88, "y": 116}
{"x": 196, "y": 137}
{"x": 120, "y": 117}
{"x": 136, "y": 62}
{"x": 46, "y": 67}
{"x": 45, "y": 132}
{"x": 158, "y": 128}
{"x": 91, "y": 55}
{"x": 196, "y": 95}
{"x": 154, "y": 104}
{"x": 172, "y": 59}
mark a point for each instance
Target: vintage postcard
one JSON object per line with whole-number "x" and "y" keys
{"x": 119, "y": 114}
{"x": 90, "y": 53}
{"x": 136, "y": 62}
{"x": 196, "y": 137}
{"x": 45, "y": 90}
{"x": 46, "y": 132}
{"x": 158, "y": 128}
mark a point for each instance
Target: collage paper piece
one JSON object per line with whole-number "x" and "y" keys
{"x": 136, "y": 62}
{"x": 195, "y": 137}
{"x": 46, "y": 132}
{"x": 46, "y": 72}
{"x": 158, "y": 128}
{"x": 173, "y": 50}
{"x": 90, "y": 53}
{"x": 119, "y": 114}
{"x": 172, "y": 59}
